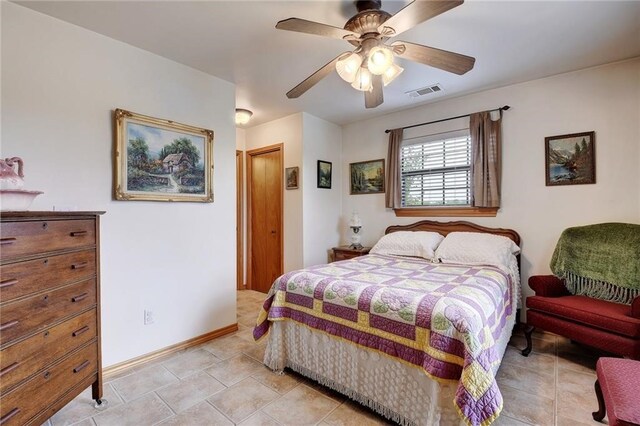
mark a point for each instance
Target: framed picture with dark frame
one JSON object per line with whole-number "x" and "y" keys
{"x": 570, "y": 159}
{"x": 366, "y": 177}
{"x": 324, "y": 174}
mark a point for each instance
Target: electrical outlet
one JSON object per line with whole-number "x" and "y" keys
{"x": 148, "y": 316}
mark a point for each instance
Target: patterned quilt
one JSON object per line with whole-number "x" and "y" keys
{"x": 441, "y": 318}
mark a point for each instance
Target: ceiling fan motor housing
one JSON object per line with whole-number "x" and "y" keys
{"x": 368, "y": 18}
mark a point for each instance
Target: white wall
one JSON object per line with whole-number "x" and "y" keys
{"x": 241, "y": 139}
{"x": 241, "y": 145}
{"x": 288, "y": 131}
{"x": 60, "y": 84}
{"x": 322, "y": 207}
{"x": 605, "y": 99}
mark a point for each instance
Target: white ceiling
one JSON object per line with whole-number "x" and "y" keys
{"x": 512, "y": 41}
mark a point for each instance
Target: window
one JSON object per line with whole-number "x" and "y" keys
{"x": 436, "y": 170}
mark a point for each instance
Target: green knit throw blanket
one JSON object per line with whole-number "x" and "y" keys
{"x": 600, "y": 261}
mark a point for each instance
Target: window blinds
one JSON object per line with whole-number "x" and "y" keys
{"x": 436, "y": 170}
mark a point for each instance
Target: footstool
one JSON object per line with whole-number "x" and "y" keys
{"x": 618, "y": 391}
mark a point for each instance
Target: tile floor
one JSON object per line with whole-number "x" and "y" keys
{"x": 223, "y": 382}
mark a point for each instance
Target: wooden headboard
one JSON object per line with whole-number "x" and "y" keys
{"x": 459, "y": 226}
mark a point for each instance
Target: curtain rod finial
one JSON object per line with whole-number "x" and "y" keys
{"x": 506, "y": 107}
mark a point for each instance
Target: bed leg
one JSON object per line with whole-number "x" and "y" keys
{"x": 602, "y": 410}
{"x": 527, "y": 334}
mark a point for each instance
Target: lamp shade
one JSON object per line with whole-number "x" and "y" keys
{"x": 355, "y": 219}
{"x": 362, "y": 81}
{"x": 348, "y": 67}
{"x": 380, "y": 59}
{"x": 243, "y": 116}
{"x": 391, "y": 73}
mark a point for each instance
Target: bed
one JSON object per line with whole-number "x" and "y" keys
{"x": 416, "y": 341}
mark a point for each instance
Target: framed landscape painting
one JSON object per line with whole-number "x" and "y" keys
{"x": 324, "y": 174}
{"x": 367, "y": 177}
{"x": 160, "y": 160}
{"x": 570, "y": 159}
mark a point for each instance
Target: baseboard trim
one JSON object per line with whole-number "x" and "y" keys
{"x": 117, "y": 368}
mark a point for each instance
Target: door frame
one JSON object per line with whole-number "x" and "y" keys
{"x": 239, "y": 218}
{"x": 264, "y": 150}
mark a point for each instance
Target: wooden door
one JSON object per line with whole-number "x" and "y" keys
{"x": 239, "y": 224}
{"x": 264, "y": 177}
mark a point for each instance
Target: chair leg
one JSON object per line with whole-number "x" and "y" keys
{"x": 602, "y": 410}
{"x": 527, "y": 333}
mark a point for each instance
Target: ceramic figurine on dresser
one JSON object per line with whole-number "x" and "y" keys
{"x": 12, "y": 196}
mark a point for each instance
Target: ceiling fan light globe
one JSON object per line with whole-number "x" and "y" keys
{"x": 348, "y": 67}
{"x": 391, "y": 73}
{"x": 380, "y": 59}
{"x": 363, "y": 80}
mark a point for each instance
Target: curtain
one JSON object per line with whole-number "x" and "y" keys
{"x": 486, "y": 141}
{"x": 392, "y": 179}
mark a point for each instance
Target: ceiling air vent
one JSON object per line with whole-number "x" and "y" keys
{"x": 434, "y": 88}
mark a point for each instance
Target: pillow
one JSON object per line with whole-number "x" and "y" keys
{"x": 477, "y": 249}
{"x": 409, "y": 243}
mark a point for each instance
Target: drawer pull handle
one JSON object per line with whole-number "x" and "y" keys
{"x": 80, "y": 331}
{"x": 47, "y": 375}
{"x": 81, "y": 366}
{"x": 78, "y": 233}
{"x": 8, "y": 283}
{"x": 10, "y": 414}
{"x": 8, "y": 325}
{"x": 79, "y": 265}
{"x": 80, "y": 297}
{"x": 9, "y": 240}
{"x": 8, "y": 368}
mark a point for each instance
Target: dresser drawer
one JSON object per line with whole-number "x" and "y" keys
{"x": 21, "y": 360}
{"x": 27, "y": 238}
{"x": 39, "y": 312}
{"x": 27, "y": 400}
{"x": 23, "y": 278}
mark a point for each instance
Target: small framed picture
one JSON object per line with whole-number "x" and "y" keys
{"x": 367, "y": 177}
{"x": 570, "y": 159}
{"x": 324, "y": 174}
{"x": 291, "y": 177}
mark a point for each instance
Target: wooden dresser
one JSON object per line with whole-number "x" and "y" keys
{"x": 49, "y": 312}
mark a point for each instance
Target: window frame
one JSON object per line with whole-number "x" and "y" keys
{"x": 466, "y": 210}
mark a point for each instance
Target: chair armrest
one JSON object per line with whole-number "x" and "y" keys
{"x": 549, "y": 286}
{"x": 635, "y": 307}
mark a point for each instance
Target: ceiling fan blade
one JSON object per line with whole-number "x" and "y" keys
{"x": 316, "y": 28}
{"x": 415, "y": 13}
{"x": 314, "y": 78}
{"x": 374, "y": 97}
{"x": 437, "y": 58}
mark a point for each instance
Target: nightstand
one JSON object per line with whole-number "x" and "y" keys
{"x": 344, "y": 252}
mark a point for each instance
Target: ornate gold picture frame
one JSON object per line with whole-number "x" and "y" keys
{"x": 161, "y": 160}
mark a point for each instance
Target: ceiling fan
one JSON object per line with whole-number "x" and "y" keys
{"x": 371, "y": 65}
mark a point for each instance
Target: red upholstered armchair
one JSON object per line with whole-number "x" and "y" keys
{"x": 612, "y": 327}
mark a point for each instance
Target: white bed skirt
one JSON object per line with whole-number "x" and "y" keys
{"x": 398, "y": 391}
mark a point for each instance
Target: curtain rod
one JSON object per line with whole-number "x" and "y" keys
{"x": 503, "y": 108}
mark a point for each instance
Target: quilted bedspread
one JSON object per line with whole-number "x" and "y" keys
{"x": 441, "y": 318}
